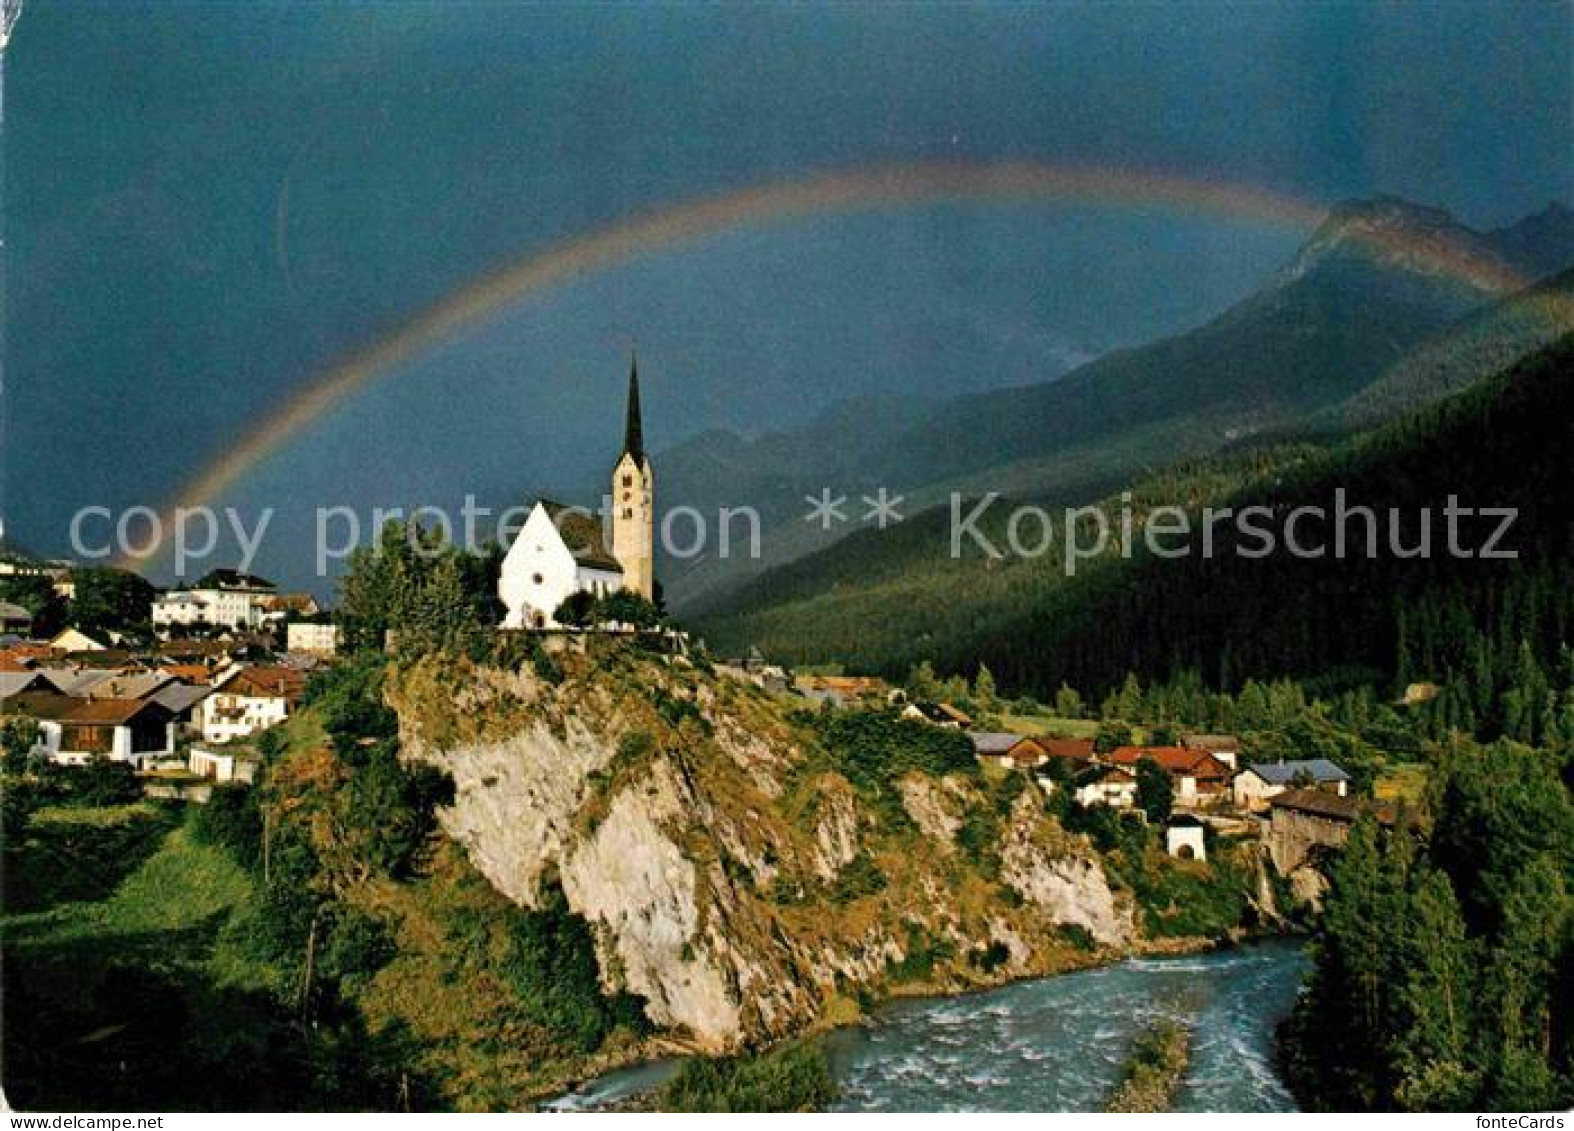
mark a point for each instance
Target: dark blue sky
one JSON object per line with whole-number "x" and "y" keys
{"x": 207, "y": 201}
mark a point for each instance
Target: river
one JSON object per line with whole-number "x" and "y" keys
{"x": 1056, "y": 1044}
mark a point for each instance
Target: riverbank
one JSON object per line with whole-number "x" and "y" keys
{"x": 1053, "y": 1043}
{"x": 617, "y": 1076}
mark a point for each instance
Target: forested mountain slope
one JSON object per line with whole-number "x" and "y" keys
{"x": 1479, "y": 346}
{"x": 1362, "y": 294}
{"x": 1504, "y": 443}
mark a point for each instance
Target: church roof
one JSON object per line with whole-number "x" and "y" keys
{"x": 581, "y": 533}
{"x": 633, "y": 427}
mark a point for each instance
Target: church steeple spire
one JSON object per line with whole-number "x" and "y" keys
{"x": 633, "y": 429}
{"x": 633, "y": 501}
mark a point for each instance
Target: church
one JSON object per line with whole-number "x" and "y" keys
{"x": 562, "y": 550}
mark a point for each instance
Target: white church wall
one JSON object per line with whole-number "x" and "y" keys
{"x": 538, "y": 573}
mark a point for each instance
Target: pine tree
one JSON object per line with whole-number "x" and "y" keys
{"x": 1537, "y": 920}
{"x": 1436, "y": 1057}
{"x": 984, "y": 693}
{"x": 1129, "y": 703}
{"x": 1068, "y": 704}
{"x": 921, "y": 681}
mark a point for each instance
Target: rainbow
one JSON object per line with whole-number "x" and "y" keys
{"x": 858, "y": 190}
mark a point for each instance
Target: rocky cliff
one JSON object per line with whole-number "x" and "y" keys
{"x": 735, "y": 876}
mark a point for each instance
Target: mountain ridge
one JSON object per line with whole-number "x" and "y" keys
{"x": 1497, "y": 443}
{"x": 1341, "y": 313}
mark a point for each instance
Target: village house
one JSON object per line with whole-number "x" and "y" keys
{"x": 1259, "y": 782}
{"x": 1225, "y": 747}
{"x": 940, "y": 714}
{"x": 132, "y": 684}
{"x": 76, "y": 731}
{"x": 1008, "y": 751}
{"x": 844, "y": 690}
{"x": 248, "y": 700}
{"x": 109, "y": 660}
{"x": 69, "y": 679}
{"x": 59, "y": 573}
{"x": 61, "y": 679}
{"x": 14, "y": 683}
{"x": 1304, "y": 822}
{"x": 72, "y": 640}
{"x": 751, "y": 661}
{"x": 25, "y": 654}
{"x": 208, "y": 654}
{"x": 1077, "y": 751}
{"x": 224, "y": 598}
{"x": 1198, "y": 777}
{"x": 188, "y": 673}
{"x": 1106, "y": 785}
{"x": 280, "y": 607}
{"x": 948, "y": 715}
{"x": 773, "y": 678}
{"x": 221, "y": 768}
{"x": 754, "y": 668}
{"x": 183, "y": 701}
{"x": 561, "y": 550}
{"x": 1184, "y": 838}
{"x": 15, "y": 619}
{"x": 312, "y": 638}
{"x": 13, "y": 566}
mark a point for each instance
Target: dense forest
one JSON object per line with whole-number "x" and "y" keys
{"x": 1503, "y": 443}
{"x": 1444, "y": 962}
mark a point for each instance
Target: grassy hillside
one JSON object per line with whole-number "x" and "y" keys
{"x": 306, "y": 944}
{"x": 102, "y": 992}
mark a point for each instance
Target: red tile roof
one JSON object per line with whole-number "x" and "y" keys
{"x": 268, "y": 683}
{"x": 191, "y": 673}
{"x": 1173, "y": 759}
{"x": 846, "y": 684}
{"x": 1077, "y": 749}
{"x": 65, "y": 709}
{"x": 1324, "y": 803}
{"x": 112, "y": 711}
{"x": 30, "y": 652}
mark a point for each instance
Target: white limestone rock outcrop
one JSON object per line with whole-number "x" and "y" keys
{"x": 732, "y": 878}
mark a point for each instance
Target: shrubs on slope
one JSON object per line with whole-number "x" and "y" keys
{"x": 795, "y": 1077}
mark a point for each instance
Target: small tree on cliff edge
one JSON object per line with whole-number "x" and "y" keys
{"x": 577, "y": 610}
{"x": 1155, "y": 795}
{"x": 625, "y": 607}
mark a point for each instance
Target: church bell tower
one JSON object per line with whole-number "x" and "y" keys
{"x": 633, "y": 502}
